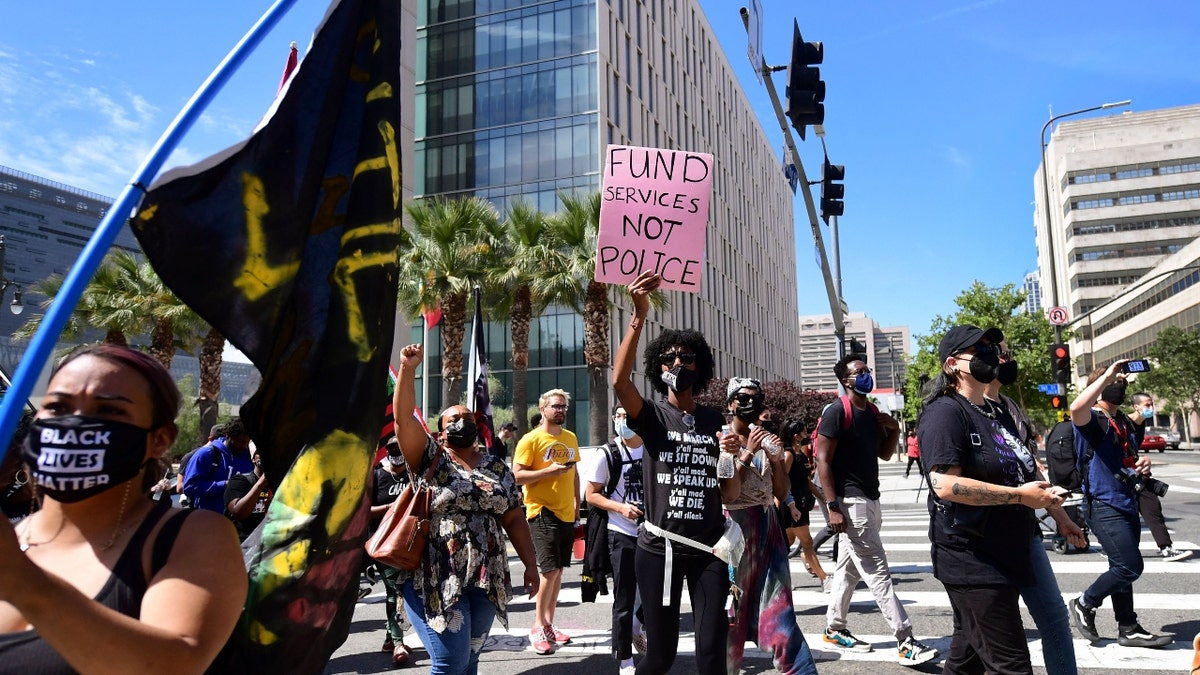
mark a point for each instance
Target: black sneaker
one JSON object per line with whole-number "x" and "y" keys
{"x": 1084, "y": 620}
{"x": 1140, "y": 637}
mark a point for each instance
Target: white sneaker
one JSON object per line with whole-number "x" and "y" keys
{"x": 627, "y": 670}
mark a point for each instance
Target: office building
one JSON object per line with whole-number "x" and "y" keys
{"x": 1125, "y": 213}
{"x": 1033, "y": 293}
{"x": 45, "y": 226}
{"x": 886, "y": 349}
{"x": 517, "y": 98}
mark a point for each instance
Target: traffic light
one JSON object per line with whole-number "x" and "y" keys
{"x": 831, "y": 191}
{"x": 805, "y": 90}
{"x": 1058, "y": 402}
{"x": 1060, "y": 363}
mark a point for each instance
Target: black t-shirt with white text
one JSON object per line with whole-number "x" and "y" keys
{"x": 856, "y": 458}
{"x": 953, "y": 433}
{"x": 679, "y": 470}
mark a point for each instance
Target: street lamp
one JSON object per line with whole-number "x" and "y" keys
{"x": 17, "y": 306}
{"x": 1046, "y": 199}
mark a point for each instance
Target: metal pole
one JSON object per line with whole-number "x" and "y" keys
{"x": 1050, "y": 228}
{"x": 833, "y": 296}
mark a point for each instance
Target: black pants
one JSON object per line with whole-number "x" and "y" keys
{"x": 622, "y": 548}
{"x": 988, "y": 635}
{"x": 910, "y": 463}
{"x": 708, "y": 587}
{"x": 1150, "y": 506}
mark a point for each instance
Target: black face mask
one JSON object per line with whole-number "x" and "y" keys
{"x": 75, "y": 457}
{"x": 984, "y": 366}
{"x": 462, "y": 433}
{"x": 679, "y": 378}
{"x": 1114, "y": 393}
{"x": 1007, "y": 372}
{"x": 749, "y": 412}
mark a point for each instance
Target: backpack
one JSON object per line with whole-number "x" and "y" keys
{"x": 847, "y": 419}
{"x": 1060, "y": 457}
{"x": 596, "y": 562}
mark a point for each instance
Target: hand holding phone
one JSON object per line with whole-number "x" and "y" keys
{"x": 1136, "y": 366}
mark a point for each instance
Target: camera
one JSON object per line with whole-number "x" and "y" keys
{"x": 1138, "y": 483}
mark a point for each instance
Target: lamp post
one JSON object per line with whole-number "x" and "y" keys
{"x": 17, "y": 306}
{"x": 1046, "y": 200}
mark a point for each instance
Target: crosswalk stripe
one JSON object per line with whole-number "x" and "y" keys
{"x": 1109, "y": 655}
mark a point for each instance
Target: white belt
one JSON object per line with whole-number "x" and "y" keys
{"x": 670, "y": 555}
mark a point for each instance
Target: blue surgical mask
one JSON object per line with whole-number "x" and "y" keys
{"x": 622, "y": 429}
{"x": 1148, "y": 413}
{"x": 864, "y": 383}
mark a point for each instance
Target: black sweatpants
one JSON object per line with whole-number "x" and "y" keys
{"x": 708, "y": 587}
{"x": 988, "y": 634}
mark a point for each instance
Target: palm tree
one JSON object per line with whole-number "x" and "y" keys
{"x": 570, "y": 279}
{"x": 515, "y": 269}
{"x": 125, "y": 297}
{"x": 443, "y": 260}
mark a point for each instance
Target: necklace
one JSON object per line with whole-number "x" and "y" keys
{"x": 120, "y": 529}
{"x": 26, "y": 544}
{"x": 989, "y": 413}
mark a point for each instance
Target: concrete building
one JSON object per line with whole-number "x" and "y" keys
{"x": 887, "y": 351}
{"x": 519, "y": 99}
{"x": 1125, "y": 213}
{"x": 45, "y": 226}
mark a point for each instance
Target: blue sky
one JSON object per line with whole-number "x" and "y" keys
{"x": 933, "y": 107}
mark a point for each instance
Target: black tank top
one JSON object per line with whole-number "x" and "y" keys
{"x": 27, "y": 653}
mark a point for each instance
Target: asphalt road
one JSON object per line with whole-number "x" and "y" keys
{"x": 1167, "y": 598}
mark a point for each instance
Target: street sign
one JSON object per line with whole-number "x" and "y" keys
{"x": 754, "y": 31}
{"x": 1054, "y": 389}
{"x": 1057, "y": 315}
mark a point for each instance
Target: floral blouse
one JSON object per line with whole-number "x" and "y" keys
{"x": 466, "y": 546}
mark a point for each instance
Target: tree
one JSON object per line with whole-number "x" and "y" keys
{"x": 785, "y": 398}
{"x": 569, "y": 278}
{"x": 1028, "y": 336}
{"x": 125, "y": 298}
{"x": 1175, "y": 377}
{"x": 444, "y": 258}
{"x": 516, "y": 271}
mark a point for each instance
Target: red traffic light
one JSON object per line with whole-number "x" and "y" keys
{"x": 1061, "y": 352}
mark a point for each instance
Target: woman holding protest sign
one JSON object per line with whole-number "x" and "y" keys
{"x": 684, "y": 519}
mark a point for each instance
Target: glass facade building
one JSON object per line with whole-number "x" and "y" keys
{"x": 519, "y": 98}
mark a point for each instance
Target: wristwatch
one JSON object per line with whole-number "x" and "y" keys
{"x": 834, "y": 505}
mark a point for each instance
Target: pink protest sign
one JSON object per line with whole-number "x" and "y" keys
{"x": 653, "y": 216}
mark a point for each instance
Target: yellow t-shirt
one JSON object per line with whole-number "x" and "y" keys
{"x": 537, "y": 450}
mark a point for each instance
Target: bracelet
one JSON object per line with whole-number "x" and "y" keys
{"x": 745, "y": 465}
{"x": 636, "y": 323}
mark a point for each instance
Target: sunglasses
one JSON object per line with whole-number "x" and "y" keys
{"x": 557, "y": 406}
{"x": 860, "y": 371}
{"x": 668, "y": 358}
{"x": 745, "y": 399}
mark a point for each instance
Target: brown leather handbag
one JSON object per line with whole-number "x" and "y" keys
{"x": 404, "y": 529}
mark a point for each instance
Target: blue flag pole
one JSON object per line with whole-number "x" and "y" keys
{"x": 93, "y": 253}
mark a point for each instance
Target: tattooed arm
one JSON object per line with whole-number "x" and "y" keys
{"x": 949, "y": 484}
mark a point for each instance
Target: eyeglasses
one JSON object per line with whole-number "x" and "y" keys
{"x": 668, "y": 358}
{"x": 558, "y": 406}
{"x": 745, "y": 399}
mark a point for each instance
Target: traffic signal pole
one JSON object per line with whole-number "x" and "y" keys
{"x": 835, "y": 302}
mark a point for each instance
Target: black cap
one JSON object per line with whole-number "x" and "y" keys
{"x": 962, "y": 338}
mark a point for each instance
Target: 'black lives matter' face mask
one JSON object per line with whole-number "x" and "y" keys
{"x": 75, "y": 457}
